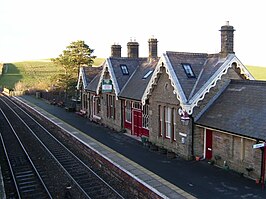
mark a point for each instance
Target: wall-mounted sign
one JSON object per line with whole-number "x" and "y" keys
{"x": 256, "y": 146}
{"x": 107, "y": 86}
{"x": 183, "y": 134}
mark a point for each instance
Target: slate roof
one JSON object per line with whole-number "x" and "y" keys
{"x": 240, "y": 109}
{"x": 203, "y": 65}
{"x": 92, "y": 75}
{"x": 131, "y": 63}
{"x": 137, "y": 84}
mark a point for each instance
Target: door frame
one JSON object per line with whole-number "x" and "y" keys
{"x": 209, "y": 133}
{"x": 138, "y": 111}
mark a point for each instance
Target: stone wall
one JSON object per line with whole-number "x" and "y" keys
{"x": 163, "y": 95}
{"x": 110, "y": 122}
{"x": 231, "y": 152}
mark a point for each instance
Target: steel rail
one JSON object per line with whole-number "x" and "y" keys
{"x": 56, "y": 159}
{"x": 27, "y": 155}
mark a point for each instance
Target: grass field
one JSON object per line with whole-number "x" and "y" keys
{"x": 258, "y": 72}
{"x": 37, "y": 74}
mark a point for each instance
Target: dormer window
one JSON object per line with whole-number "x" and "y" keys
{"x": 124, "y": 69}
{"x": 147, "y": 74}
{"x": 188, "y": 70}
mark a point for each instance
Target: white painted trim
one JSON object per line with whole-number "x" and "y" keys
{"x": 215, "y": 78}
{"x": 82, "y": 78}
{"x": 108, "y": 65}
{"x": 164, "y": 62}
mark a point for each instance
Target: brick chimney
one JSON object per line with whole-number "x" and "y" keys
{"x": 227, "y": 40}
{"x": 133, "y": 49}
{"x": 152, "y": 48}
{"x": 116, "y": 50}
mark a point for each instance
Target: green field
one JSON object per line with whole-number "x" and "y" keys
{"x": 258, "y": 72}
{"x": 34, "y": 74}
{"x": 37, "y": 74}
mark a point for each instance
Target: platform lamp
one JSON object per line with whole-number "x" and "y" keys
{"x": 184, "y": 117}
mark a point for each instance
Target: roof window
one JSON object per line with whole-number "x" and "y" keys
{"x": 188, "y": 70}
{"x": 147, "y": 74}
{"x": 124, "y": 69}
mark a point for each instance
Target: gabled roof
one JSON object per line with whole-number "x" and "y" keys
{"x": 125, "y": 84}
{"x": 136, "y": 85}
{"x": 208, "y": 69}
{"x": 239, "y": 109}
{"x": 86, "y": 75}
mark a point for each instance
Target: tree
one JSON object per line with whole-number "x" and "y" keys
{"x": 76, "y": 55}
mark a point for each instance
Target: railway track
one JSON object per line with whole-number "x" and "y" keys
{"x": 40, "y": 164}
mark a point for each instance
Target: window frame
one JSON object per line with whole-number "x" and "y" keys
{"x": 124, "y": 69}
{"x": 188, "y": 70}
{"x": 145, "y": 116}
{"x": 168, "y": 122}
{"x": 128, "y": 111}
{"x": 110, "y": 106}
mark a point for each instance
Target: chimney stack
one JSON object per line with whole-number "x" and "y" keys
{"x": 116, "y": 50}
{"x": 133, "y": 49}
{"x": 227, "y": 40}
{"x": 152, "y": 48}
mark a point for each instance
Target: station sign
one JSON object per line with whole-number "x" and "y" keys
{"x": 256, "y": 146}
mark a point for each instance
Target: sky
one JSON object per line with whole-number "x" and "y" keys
{"x": 32, "y": 29}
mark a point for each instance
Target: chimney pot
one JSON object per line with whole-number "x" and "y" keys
{"x": 153, "y": 47}
{"x": 227, "y": 40}
{"x": 116, "y": 50}
{"x": 133, "y": 49}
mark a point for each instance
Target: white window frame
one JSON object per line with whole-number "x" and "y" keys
{"x": 95, "y": 110}
{"x": 128, "y": 111}
{"x": 175, "y": 124}
{"x": 161, "y": 120}
{"x": 145, "y": 116}
{"x": 168, "y": 122}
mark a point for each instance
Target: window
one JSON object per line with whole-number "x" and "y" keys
{"x": 137, "y": 105}
{"x": 96, "y": 106}
{"x": 175, "y": 124}
{"x": 124, "y": 69}
{"x": 188, "y": 70}
{"x": 110, "y": 106}
{"x": 161, "y": 120}
{"x": 168, "y": 122}
{"x": 84, "y": 102}
{"x": 145, "y": 116}
{"x": 147, "y": 74}
{"x": 128, "y": 111}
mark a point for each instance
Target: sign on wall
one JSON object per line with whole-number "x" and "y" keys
{"x": 107, "y": 86}
{"x": 256, "y": 146}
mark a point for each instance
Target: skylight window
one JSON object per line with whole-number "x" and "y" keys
{"x": 147, "y": 74}
{"x": 124, "y": 69}
{"x": 188, "y": 70}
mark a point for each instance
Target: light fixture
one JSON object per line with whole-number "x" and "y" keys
{"x": 184, "y": 117}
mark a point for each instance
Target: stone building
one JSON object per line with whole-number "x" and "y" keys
{"x": 183, "y": 103}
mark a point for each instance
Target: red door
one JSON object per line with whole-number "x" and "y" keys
{"x": 137, "y": 122}
{"x": 208, "y": 144}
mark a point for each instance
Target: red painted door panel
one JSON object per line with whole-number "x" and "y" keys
{"x": 137, "y": 122}
{"x": 208, "y": 144}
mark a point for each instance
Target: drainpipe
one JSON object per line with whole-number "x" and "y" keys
{"x": 263, "y": 159}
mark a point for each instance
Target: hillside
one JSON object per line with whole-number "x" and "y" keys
{"x": 258, "y": 72}
{"x": 35, "y": 74}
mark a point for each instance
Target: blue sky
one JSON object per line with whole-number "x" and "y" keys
{"x": 33, "y": 29}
